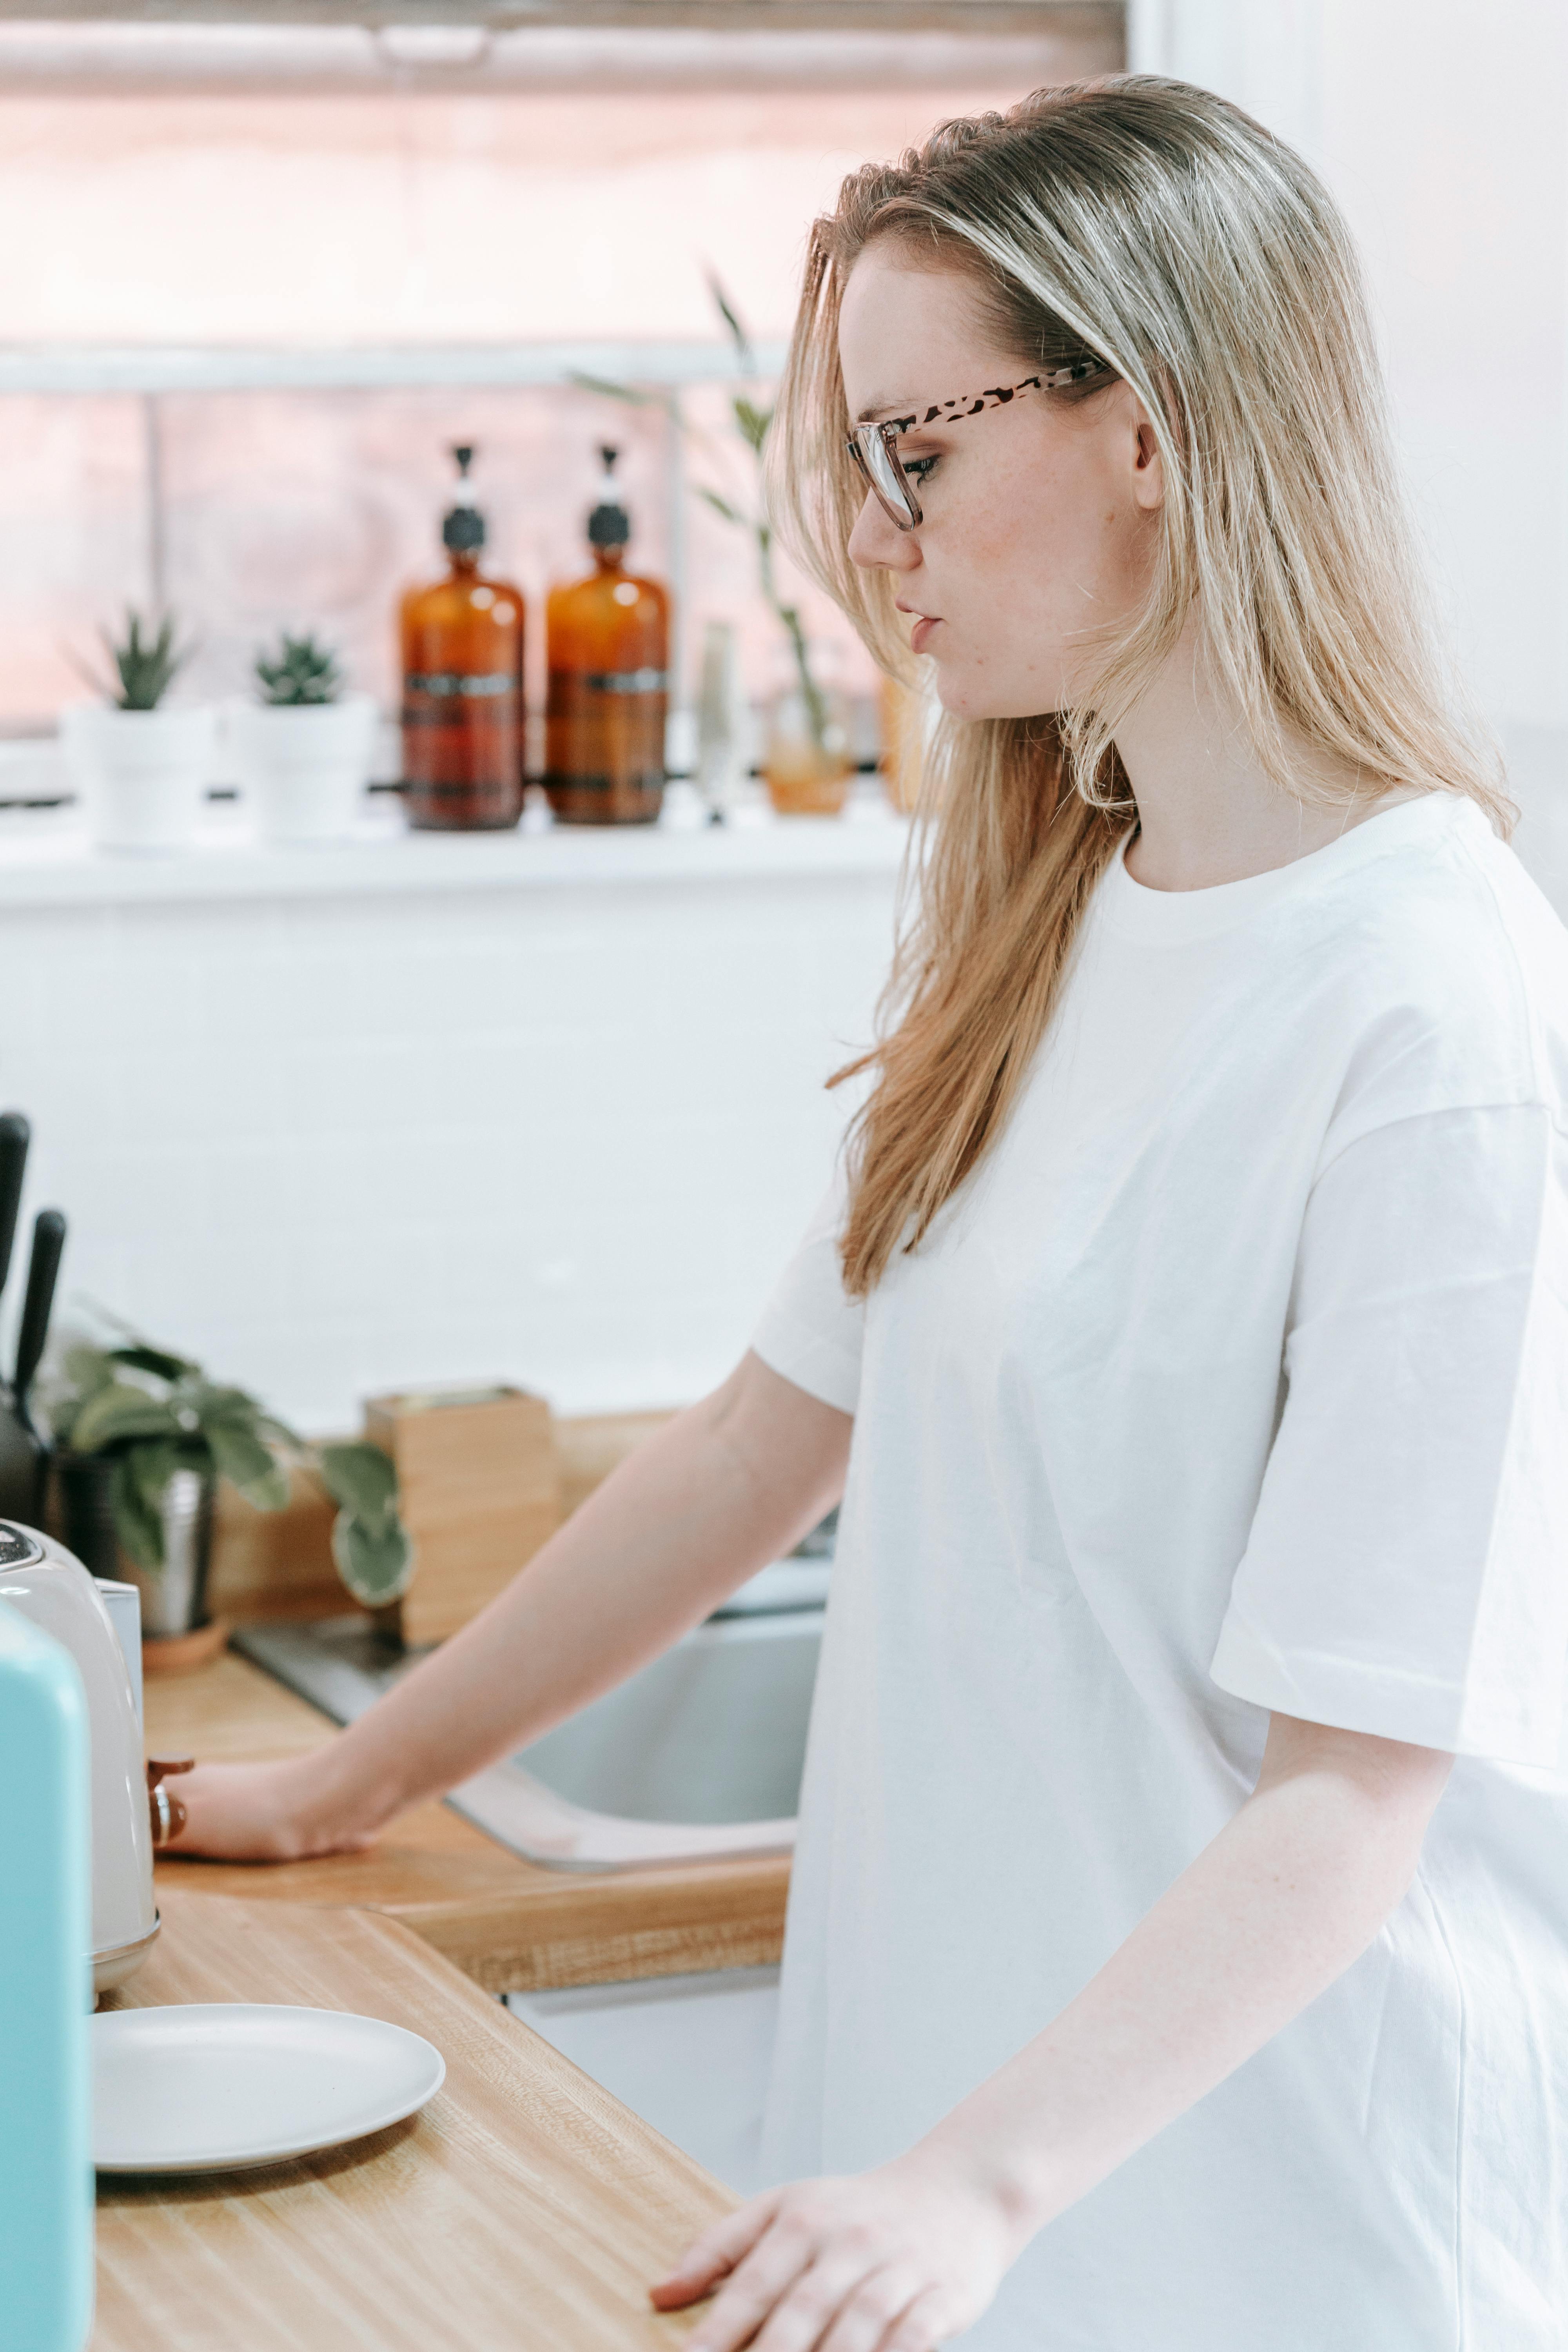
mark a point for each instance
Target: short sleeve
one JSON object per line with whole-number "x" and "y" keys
{"x": 1406, "y": 1570}
{"x": 811, "y": 1329}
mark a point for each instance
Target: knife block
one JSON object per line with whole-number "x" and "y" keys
{"x": 478, "y": 1487}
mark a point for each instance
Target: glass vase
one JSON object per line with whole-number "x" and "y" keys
{"x": 808, "y": 762}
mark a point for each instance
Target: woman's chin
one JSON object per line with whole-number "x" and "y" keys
{"x": 964, "y": 698}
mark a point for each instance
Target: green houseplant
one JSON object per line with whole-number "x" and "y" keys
{"x": 303, "y": 744}
{"x": 143, "y": 666}
{"x": 141, "y": 769}
{"x": 142, "y": 1436}
{"x": 299, "y": 674}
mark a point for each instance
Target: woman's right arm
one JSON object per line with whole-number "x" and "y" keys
{"x": 725, "y": 1487}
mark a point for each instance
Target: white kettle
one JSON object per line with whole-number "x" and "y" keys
{"x": 49, "y": 1586}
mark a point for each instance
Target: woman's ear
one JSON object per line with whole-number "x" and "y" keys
{"x": 1147, "y": 466}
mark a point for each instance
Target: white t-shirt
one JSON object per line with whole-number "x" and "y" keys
{"x": 1236, "y": 1378}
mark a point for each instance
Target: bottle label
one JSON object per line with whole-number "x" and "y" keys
{"x": 636, "y": 779}
{"x": 451, "y": 685}
{"x": 627, "y": 681}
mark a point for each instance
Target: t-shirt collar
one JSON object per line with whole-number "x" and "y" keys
{"x": 1135, "y": 910}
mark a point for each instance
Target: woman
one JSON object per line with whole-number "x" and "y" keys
{"x": 1175, "y": 1947}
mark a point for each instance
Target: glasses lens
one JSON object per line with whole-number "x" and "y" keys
{"x": 886, "y": 476}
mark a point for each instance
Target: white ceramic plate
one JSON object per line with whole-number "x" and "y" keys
{"x": 211, "y": 2086}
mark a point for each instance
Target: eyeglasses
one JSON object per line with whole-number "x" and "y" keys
{"x": 875, "y": 447}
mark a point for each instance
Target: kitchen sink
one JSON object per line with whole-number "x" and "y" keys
{"x": 697, "y": 1756}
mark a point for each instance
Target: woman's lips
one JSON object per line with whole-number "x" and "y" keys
{"x": 921, "y": 633}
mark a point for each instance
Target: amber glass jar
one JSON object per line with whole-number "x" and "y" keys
{"x": 608, "y": 640}
{"x": 462, "y": 688}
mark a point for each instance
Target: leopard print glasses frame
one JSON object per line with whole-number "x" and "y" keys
{"x": 875, "y": 447}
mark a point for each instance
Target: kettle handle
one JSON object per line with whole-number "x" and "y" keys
{"x": 168, "y": 1813}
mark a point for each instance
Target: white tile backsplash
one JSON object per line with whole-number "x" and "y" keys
{"x": 335, "y": 1143}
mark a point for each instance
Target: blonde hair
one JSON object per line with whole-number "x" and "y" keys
{"x": 1160, "y": 230}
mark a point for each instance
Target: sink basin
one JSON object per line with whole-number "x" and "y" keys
{"x": 697, "y": 1757}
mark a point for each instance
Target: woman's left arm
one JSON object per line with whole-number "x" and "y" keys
{"x": 898, "y": 2260}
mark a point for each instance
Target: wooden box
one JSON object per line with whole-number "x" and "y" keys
{"x": 479, "y": 1481}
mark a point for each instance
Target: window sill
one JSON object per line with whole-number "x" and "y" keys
{"x": 47, "y": 859}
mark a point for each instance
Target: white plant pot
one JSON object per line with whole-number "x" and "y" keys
{"x": 303, "y": 767}
{"x": 141, "y": 775}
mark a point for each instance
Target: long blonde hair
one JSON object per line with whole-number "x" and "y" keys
{"x": 1161, "y": 229}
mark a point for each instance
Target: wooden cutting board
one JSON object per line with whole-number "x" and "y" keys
{"x": 523, "y": 2207}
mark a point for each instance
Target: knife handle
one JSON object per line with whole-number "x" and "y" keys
{"x": 49, "y": 1243}
{"x": 15, "y": 1137}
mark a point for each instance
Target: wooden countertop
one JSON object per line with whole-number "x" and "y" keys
{"x": 524, "y": 2206}
{"x": 510, "y": 1925}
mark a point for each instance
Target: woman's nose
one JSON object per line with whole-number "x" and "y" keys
{"x": 877, "y": 544}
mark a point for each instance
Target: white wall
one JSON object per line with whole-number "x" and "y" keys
{"x": 549, "y": 1108}
{"x": 1442, "y": 128}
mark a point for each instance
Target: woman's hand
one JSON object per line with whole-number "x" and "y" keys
{"x": 257, "y": 1812}
{"x": 897, "y": 2259}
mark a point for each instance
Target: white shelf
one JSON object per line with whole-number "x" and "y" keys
{"x": 48, "y": 862}
{"x": 160, "y": 368}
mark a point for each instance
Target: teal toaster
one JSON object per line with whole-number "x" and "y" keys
{"x": 46, "y": 1995}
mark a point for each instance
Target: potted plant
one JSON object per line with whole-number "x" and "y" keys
{"x": 141, "y": 1438}
{"x": 304, "y": 746}
{"x": 141, "y": 771}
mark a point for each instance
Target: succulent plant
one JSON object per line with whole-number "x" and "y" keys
{"x": 145, "y": 666}
{"x": 300, "y": 671}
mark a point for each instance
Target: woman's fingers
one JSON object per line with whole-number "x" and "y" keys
{"x": 814, "y": 2310}
{"x": 922, "y": 2326}
{"x": 841, "y": 2305}
{"x": 878, "y": 2307}
{"x": 715, "y": 2253}
{"x": 888, "y": 2262}
{"x": 761, "y": 2281}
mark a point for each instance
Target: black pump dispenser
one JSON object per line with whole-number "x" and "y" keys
{"x": 463, "y": 530}
{"x": 609, "y": 525}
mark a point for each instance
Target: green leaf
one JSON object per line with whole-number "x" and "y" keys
{"x": 377, "y": 1566}
{"x": 84, "y": 1370}
{"x": 138, "y": 1524}
{"x": 88, "y": 1369}
{"x": 144, "y": 666}
{"x": 120, "y": 1410}
{"x": 752, "y": 421}
{"x": 150, "y": 1466}
{"x": 144, "y": 1359}
{"x": 730, "y": 316}
{"x": 362, "y": 1480}
{"x": 277, "y": 1433}
{"x": 210, "y": 1404}
{"x": 720, "y": 506}
{"x": 239, "y": 1455}
{"x": 299, "y": 674}
{"x": 611, "y": 390}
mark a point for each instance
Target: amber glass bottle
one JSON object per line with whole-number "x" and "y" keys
{"x": 462, "y": 687}
{"x": 608, "y": 644}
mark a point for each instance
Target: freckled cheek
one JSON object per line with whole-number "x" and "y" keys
{"x": 997, "y": 532}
